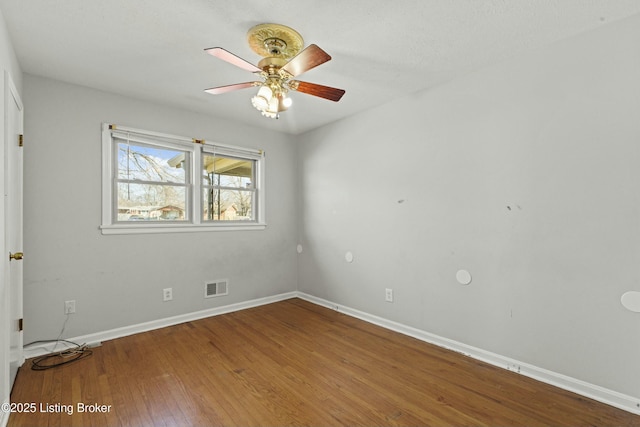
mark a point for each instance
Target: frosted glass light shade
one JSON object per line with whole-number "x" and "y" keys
{"x": 262, "y": 99}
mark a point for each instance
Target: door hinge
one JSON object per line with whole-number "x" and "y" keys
{"x": 20, "y": 324}
{"x": 20, "y": 140}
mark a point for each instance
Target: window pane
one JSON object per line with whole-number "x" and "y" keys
{"x": 227, "y": 171}
{"x": 145, "y": 163}
{"x": 147, "y": 202}
{"x": 227, "y": 205}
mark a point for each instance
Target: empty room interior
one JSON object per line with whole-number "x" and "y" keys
{"x": 320, "y": 213}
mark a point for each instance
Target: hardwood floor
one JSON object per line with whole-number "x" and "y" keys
{"x": 293, "y": 363}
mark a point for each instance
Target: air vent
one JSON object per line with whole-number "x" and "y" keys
{"x": 216, "y": 288}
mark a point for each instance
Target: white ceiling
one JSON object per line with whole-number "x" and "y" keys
{"x": 154, "y": 49}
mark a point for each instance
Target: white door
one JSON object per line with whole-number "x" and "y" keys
{"x": 13, "y": 221}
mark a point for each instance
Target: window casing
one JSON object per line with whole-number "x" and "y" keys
{"x": 153, "y": 182}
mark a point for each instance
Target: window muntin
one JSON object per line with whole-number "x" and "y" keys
{"x": 153, "y": 182}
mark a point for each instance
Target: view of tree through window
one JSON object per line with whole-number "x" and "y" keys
{"x": 158, "y": 183}
{"x": 149, "y": 188}
{"x": 228, "y": 187}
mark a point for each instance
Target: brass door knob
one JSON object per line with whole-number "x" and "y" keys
{"x": 17, "y": 256}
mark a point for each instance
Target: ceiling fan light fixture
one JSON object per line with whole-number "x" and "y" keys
{"x": 262, "y": 99}
{"x": 259, "y": 103}
{"x": 272, "y": 109}
{"x": 271, "y": 100}
{"x": 283, "y": 59}
{"x": 270, "y": 114}
{"x": 265, "y": 92}
{"x": 267, "y": 103}
{"x": 274, "y": 104}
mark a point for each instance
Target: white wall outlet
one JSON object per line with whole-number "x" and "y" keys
{"x": 388, "y": 295}
{"x": 167, "y": 294}
{"x": 70, "y": 307}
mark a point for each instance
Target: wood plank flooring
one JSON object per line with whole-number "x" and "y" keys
{"x": 293, "y": 363}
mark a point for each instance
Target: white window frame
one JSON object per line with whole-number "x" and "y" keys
{"x": 193, "y": 209}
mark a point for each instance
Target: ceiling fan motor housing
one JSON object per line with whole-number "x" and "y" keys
{"x": 275, "y": 46}
{"x": 271, "y": 65}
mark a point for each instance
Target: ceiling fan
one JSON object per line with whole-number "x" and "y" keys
{"x": 283, "y": 59}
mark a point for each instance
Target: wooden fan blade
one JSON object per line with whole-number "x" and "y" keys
{"x": 230, "y": 88}
{"x": 326, "y": 92}
{"x": 225, "y": 55}
{"x": 309, "y": 58}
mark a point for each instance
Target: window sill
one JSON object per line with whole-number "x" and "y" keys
{"x": 177, "y": 228}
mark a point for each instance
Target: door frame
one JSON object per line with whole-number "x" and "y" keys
{"x": 13, "y": 159}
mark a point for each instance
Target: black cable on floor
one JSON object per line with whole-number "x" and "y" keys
{"x": 59, "y": 358}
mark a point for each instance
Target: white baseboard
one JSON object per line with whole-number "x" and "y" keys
{"x": 98, "y": 337}
{"x": 592, "y": 391}
{"x": 601, "y": 394}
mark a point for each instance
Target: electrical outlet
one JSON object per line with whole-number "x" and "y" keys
{"x": 388, "y": 295}
{"x": 167, "y": 294}
{"x": 70, "y": 307}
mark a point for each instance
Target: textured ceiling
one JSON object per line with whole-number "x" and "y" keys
{"x": 153, "y": 49}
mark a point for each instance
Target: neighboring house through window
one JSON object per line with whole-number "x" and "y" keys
{"x": 154, "y": 182}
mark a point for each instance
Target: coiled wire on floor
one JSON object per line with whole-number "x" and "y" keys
{"x": 60, "y": 358}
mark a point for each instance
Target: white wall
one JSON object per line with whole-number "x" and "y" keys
{"x": 526, "y": 174}
{"x": 523, "y": 173}
{"x": 118, "y": 280}
{"x": 8, "y": 63}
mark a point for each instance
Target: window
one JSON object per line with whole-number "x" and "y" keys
{"x": 228, "y": 185}
{"x": 162, "y": 183}
{"x": 147, "y": 186}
